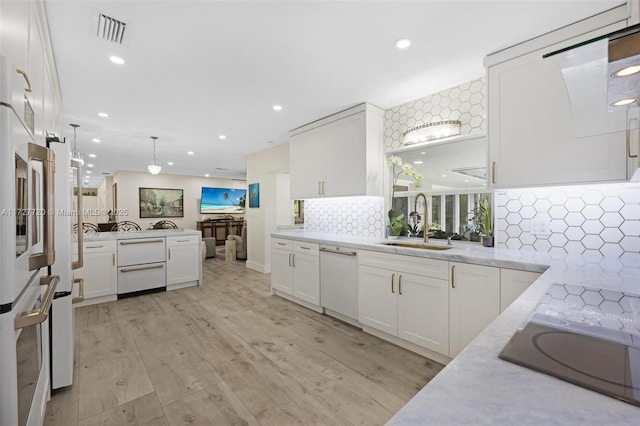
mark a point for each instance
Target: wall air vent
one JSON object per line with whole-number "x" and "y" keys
{"x": 110, "y": 29}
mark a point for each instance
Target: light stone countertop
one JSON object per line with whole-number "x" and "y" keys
{"x": 108, "y": 236}
{"x": 478, "y": 388}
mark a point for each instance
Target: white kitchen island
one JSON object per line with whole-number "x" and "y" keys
{"x": 477, "y": 387}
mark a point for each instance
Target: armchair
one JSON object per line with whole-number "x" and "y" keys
{"x": 241, "y": 242}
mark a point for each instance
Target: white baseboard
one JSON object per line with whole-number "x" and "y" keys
{"x": 442, "y": 359}
{"x": 258, "y": 267}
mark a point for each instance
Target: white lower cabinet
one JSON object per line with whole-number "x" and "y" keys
{"x": 512, "y": 284}
{"x": 474, "y": 302}
{"x": 406, "y": 297}
{"x": 99, "y": 271}
{"x": 295, "y": 270}
{"x": 183, "y": 260}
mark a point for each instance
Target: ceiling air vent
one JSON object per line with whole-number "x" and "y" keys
{"x": 110, "y": 29}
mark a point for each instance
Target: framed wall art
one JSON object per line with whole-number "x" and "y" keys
{"x": 161, "y": 202}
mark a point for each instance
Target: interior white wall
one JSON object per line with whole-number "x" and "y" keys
{"x": 130, "y": 182}
{"x": 266, "y": 168}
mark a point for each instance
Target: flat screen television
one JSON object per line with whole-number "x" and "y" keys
{"x": 222, "y": 200}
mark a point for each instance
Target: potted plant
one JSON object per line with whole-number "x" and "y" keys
{"x": 397, "y": 222}
{"x": 485, "y": 211}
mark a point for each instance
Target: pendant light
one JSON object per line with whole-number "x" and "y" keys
{"x": 154, "y": 167}
{"x": 76, "y": 157}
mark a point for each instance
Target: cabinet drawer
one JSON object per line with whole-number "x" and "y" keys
{"x": 306, "y": 248}
{"x": 282, "y": 244}
{"x": 141, "y": 277}
{"x": 184, "y": 240}
{"x": 141, "y": 250}
{"x": 409, "y": 264}
{"x": 95, "y": 246}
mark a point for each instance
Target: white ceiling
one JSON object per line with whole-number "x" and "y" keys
{"x": 198, "y": 69}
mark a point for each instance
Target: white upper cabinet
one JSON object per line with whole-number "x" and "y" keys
{"x": 338, "y": 155}
{"x": 14, "y": 33}
{"x": 535, "y": 135}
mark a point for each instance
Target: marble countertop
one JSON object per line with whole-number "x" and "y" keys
{"x": 479, "y": 388}
{"x": 107, "y": 236}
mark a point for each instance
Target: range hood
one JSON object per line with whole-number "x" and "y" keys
{"x": 596, "y": 86}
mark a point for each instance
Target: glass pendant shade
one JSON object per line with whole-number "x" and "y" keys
{"x": 76, "y": 157}
{"x": 154, "y": 167}
{"x": 431, "y": 132}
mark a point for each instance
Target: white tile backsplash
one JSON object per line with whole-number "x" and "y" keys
{"x": 588, "y": 220}
{"x": 356, "y": 216}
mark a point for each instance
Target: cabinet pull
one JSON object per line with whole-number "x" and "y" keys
{"x": 26, "y": 79}
{"x": 319, "y": 186}
{"x": 144, "y": 268}
{"x": 453, "y": 279}
{"x": 80, "y": 297}
{"x": 281, "y": 244}
{"x": 289, "y": 259}
{"x": 182, "y": 241}
{"x": 40, "y": 315}
{"x": 113, "y": 259}
{"x": 629, "y": 139}
{"x": 126, "y": 243}
{"x": 95, "y": 246}
{"x": 169, "y": 254}
{"x": 305, "y": 248}
{"x": 493, "y": 172}
{"x": 400, "y": 284}
{"x": 322, "y": 187}
{"x": 293, "y": 260}
{"x": 392, "y": 277}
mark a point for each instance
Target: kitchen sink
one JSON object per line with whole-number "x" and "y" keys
{"x": 422, "y": 246}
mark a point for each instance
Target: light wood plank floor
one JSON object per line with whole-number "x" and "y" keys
{"x": 230, "y": 353}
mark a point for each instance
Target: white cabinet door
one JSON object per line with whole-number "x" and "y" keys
{"x": 183, "y": 264}
{"x": 513, "y": 284}
{"x": 36, "y": 74}
{"x": 306, "y": 164}
{"x": 99, "y": 273}
{"x": 532, "y": 133}
{"x": 344, "y": 156}
{"x": 474, "y": 301}
{"x": 281, "y": 270}
{"x": 306, "y": 278}
{"x": 14, "y": 33}
{"x": 378, "y": 299}
{"x": 423, "y": 311}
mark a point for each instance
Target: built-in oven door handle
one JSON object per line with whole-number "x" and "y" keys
{"x": 143, "y": 268}
{"x": 47, "y": 158}
{"x": 40, "y": 315}
{"x": 80, "y": 297}
{"x": 126, "y": 243}
{"x": 80, "y": 221}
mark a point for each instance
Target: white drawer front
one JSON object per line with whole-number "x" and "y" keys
{"x": 89, "y": 246}
{"x": 410, "y": 264}
{"x": 186, "y": 240}
{"x": 141, "y": 277}
{"x": 306, "y": 248}
{"x": 282, "y": 244}
{"x": 141, "y": 250}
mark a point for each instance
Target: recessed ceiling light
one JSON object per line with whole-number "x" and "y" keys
{"x": 418, "y": 162}
{"x": 623, "y": 102}
{"x": 190, "y": 152}
{"x": 403, "y": 43}
{"x": 89, "y": 165}
{"x": 277, "y": 108}
{"x": 624, "y": 72}
{"x": 92, "y": 155}
{"x": 170, "y": 163}
{"x": 89, "y": 171}
{"x": 222, "y": 137}
{"x": 423, "y": 152}
{"x": 466, "y": 180}
{"x": 116, "y": 60}
{"x": 206, "y": 175}
{"x": 96, "y": 140}
{"x": 444, "y": 175}
{"x": 103, "y": 114}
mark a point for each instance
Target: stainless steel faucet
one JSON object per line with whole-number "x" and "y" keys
{"x": 425, "y": 223}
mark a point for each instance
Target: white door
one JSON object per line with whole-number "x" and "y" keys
{"x": 377, "y": 295}
{"x": 345, "y": 168}
{"x": 99, "y": 273}
{"x": 423, "y": 311}
{"x": 474, "y": 297}
{"x": 183, "y": 263}
{"x": 306, "y": 164}
{"x": 306, "y": 278}
{"x": 513, "y": 284}
{"x": 281, "y": 270}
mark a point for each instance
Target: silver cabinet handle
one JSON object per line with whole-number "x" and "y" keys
{"x": 293, "y": 260}
{"x": 453, "y": 279}
{"x": 400, "y": 284}
{"x": 182, "y": 241}
{"x": 305, "y": 248}
{"x": 493, "y": 172}
{"x": 80, "y": 297}
{"x": 392, "y": 277}
{"x": 26, "y": 79}
{"x": 323, "y": 188}
{"x": 113, "y": 259}
{"x": 344, "y": 253}
{"x": 169, "y": 254}
{"x": 319, "y": 186}
{"x": 40, "y": 315}
{"x": 289, "y": 259}
{"x": 94, "y": 247}
{"x": 281, "y": 244}
{"x": 126, "y": 243}
{"x": 629, "y": 139}
{"x": 143, "y": 268}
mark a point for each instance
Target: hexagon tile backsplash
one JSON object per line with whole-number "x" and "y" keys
{"x": 590, "y": 220}
{"x": 356, "y": 216}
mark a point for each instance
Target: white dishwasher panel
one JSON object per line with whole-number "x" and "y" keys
{"x": 141, "y": 277}
{"x": 141, "y": 250}
{"x": 339, "y": 281}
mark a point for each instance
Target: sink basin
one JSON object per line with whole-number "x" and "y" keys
{"x": 422, "y": 246}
